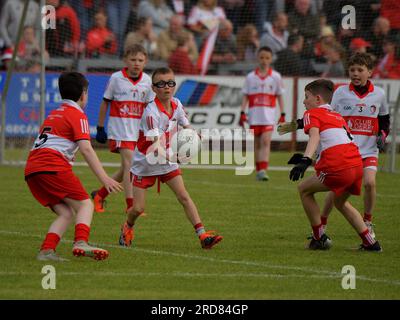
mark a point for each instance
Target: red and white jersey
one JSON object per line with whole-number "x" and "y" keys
{"x": 336, "y": 150}
{"x": 206, "y": 17}
{"x": 55, "y": 147}
{"x": 156, "y": 122}
{"x": 128, "y": 100}
{"x": 361, "y": 114}
{"x": 262, "y": 93}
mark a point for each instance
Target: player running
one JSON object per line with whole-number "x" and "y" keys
{"x": 342, "y": 175}
{"x": 49, "y": 174}
{"x": 128, "y": 92}
{"x": 261, "y": 89}
{"x": 152, "y": 161}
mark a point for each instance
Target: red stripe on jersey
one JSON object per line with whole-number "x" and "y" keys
{"x": 262, "y": 100}
{"x": 127, "y": 109}
{"x": 143, "y": 143}
{"x": 359, "y": 125}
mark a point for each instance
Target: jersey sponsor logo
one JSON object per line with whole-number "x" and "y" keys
{"x": 126, "y": 109}
{"x": 362, "y": 125}
{"x": 262, "y": 100}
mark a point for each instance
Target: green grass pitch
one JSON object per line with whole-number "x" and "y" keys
{"x": 262, "y": 256}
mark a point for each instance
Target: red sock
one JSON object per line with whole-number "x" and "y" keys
{"x": 103, "y": 193}
{"x": 367, "y": 238}
{"x": 82, "y": 232}
{"x": 129, "y": 203}
{"x": 258, "y": 166}
{"x": 324, "y": 220}
{"x": 51, "y": 241}
{"x": 367, "y": 217}
{"x": 263, "y": 165}
{"x": 199, "y": 229}
{"x": 318, "y": 231}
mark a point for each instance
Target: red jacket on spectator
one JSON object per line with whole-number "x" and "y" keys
{"x": 180, "y": 62}
{"x": 390, "y": 9}
{"x": 388, "y": 68}
{"x": 96, "y": 41}
{"x": 66, "y": 12}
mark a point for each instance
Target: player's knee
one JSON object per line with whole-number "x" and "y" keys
{"x": 137, "y": 209}
{"x": 301, "y": 188}
{"x": 369, "y": 185}
{"x": 183, "y": 198}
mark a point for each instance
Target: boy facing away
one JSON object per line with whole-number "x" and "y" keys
{"x": 49, "y": 174}
{"x": 160, "y": 121}
{"x": 339, "y": 167}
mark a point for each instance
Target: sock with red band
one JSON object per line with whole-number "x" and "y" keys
{"x": 367, "y": 217}
{"x": 82, "y": 232}
{"x": 324, "y": 220}
{"x": 318, "y": 231}
{"x": 102, "y": 193}
{"x": 263, "y": 165}
{"x": 199, "y": 229}
{"x": 367, "y": 238}
{"x": 51, "y": 241}
{"x": 129, "y": 202}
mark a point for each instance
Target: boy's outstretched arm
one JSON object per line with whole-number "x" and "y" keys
{"x": 292, "y": 126}
{"x": 94, "y": 163}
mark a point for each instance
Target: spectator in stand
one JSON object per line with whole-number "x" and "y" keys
{"x": 203, "y": 18}
{"x": 303, "y": 22}
{"x": 10, "y": 17}
{"x": 390, "y": 9}
{"x": 326, "y": 40}
{"x": 335, "y": 67}
{"x": 159, "y": 12}
{"x": 235, "y": 11}
{"x": 179, "y": 61}
{"x": 6, "y": 57}
{"x": 29, "y": 52}
{"x": 380, "y": 30}
{"x": 64, "y": 40}
{"x": 289, "y": 61}
{"x": 167, "y": 40}
{"x": 118, "y": 12}
{"x": 225, "y": 50}
{"x": 181, "y": 7}
{"x": 85, "y": 9}
{"x": 389, "y": 66}
{"x": 100, "y": 40}
{"x": 359, "y": 45}
{"x": 144, "y": 36}
{"x": 248, "y": 43}
{"x": 276, "y": 35}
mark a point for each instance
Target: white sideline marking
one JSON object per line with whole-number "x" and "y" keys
{"x": 322, "y": 273}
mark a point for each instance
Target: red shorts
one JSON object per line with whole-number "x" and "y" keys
{"x": 259, "y": 130}
{"x": 348, "y": 180}
{"x": 149, "y": 181}
{"x": 370, "y": 163}
{"x": 51, "y": 188}
{"x": 115, "y": 145}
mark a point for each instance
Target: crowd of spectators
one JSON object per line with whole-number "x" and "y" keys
{"x": 306, "y": 36}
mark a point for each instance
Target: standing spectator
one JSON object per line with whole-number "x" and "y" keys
{"x": 359, "y": 45}
{"x": 144, "y": 36}
{"x": 10, "y": 17}
{"x": 380, "y": 30}
{"x": 335, "y": 68}
{"x": 179, "y": 61}
{"x": 29, "y": 52}
{"x": 100, "y": 40}
{"x": 289, "y": 61}
{"x": 390, "y": 9}
{"x": 235, "y": 10}
{"x": 118, "y": 14}
{"x": 167, "y": 40}
{"x": 181, "y": 7}
{"x": 326, "y": 40}
{"x": 276, "y": 34}
{"x": 85, "y": 9}
{"x": 158, "y": 11}
{"x": 225, "y": 50}
{"x": 248, "y": 43}
{"x": 64, "y": 39}
{"x": 389, "y": 66}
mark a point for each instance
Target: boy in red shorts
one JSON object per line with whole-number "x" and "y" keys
{"x": 159, "y": 122}
{"x": 49, "y": 174}
{"x": 339, "y": 166}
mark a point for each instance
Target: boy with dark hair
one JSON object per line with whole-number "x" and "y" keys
{"x": 329, "y": 137}
{"x": 49, "y": 174}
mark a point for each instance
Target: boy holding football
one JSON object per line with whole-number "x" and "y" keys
{"x": 49, "y": 174}
{"x": 329, "y": 137}
{"x": 152, "y": 160}
{"x": 262, "y": 88}
{"x": 128, "y": 92}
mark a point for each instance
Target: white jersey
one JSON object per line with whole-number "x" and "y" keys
{"x": 262, "y": 93}
{"x": 128, "y": 100}
{"x": 361, "y": 114}
{"x": 156, "y": 122}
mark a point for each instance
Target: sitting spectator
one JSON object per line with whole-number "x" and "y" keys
{"x": 86, "y": 10}
{"x": 335, "y": 68}
{"x": 359, "y": 45}
{"x": 236, "y": 12}
{"x": 326, "y": 40}
{"x": 144, "y": 35}
{"x": 6, "y": 57}
{"x": 225, "y": 45}
{"x": 289, "y": 62}
{"x": 100, "y": 40}
{"x": 118, "y": 12}
{"x": 180, "y": 61}
{"x": 158, "y": 11}
{"x": 380, "y": 30}
{"x": 389, "y": 66}
{"x": 276, "y": 35}
{"x": 247, "y": 43}
{"x": 29, "y": 52}
{"x": 203, "y": 18}
{"x": 390, "y": 9}
{"x": 167, "y": 40}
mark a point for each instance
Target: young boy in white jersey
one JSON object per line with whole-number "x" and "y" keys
{"x": 329, "y": 137}
{"x": 128, "y": 92}
{"x": 262, "y": 88}
{"x": 49, "y": 174}
{"x": 160, "y": 121}
{"x": 366, "y": 112}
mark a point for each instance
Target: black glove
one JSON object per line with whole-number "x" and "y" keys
{"x": 300, "y": 123}
{"x": 296, "y": 158}
{"x": 298, "y": 170}
{"x": 381, "y": 141}
{"x": 101, "y": 135}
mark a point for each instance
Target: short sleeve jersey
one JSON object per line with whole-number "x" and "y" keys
{"x": 128, "y": 100}
{"x": 56, "y": 145}
{"x": 336, "y": 150}
{"x": 157, "y": 122}
{"x": 361, "y": 114}
{"x": 262, "y": 93}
